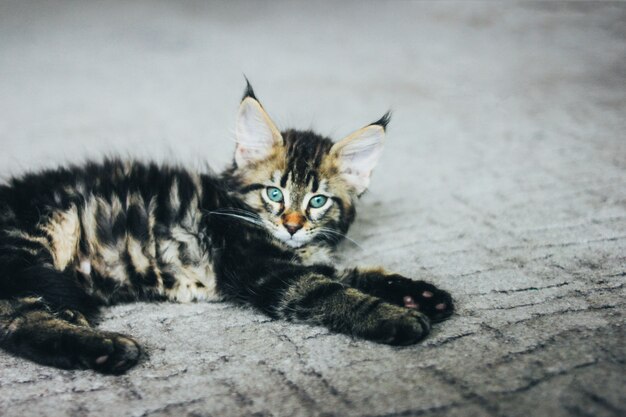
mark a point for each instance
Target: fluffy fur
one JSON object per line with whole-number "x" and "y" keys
{"x": 262, "y": 234}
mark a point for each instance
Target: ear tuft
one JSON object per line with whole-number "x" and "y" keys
{"x": 383, "y": 121}
{"x": 249, "y": 91}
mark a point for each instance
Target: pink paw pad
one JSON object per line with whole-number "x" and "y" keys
{"x": 102, "y": 359}
{"x": 409, "y": 302}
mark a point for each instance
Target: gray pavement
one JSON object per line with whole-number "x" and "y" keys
{"x": 503, "y": 181}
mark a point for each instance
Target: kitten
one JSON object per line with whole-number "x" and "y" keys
{"x": 262, "y": 234}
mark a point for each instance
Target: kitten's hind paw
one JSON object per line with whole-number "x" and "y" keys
{"x": 51, "y": 340}
{"x": 115, "y": 355}
{"x": 106, "y": 352}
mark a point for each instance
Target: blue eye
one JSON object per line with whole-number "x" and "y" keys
{"x": 274, "y": 194}
{"x": 318, "y": 201}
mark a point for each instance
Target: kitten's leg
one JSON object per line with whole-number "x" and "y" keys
{"x": 396, "y": 289}
{"x": 29, "y": 328}
{"x": 311, "y": 296}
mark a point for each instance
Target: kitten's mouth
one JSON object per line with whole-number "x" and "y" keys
{"x": 297, "y": 240}
{"x": 294, "y": 243}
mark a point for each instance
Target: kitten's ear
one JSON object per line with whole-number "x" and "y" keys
{"x": 358, "y": 153}
{"x": 255, "y": 133}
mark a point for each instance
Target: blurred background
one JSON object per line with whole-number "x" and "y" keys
{"x": 164, "y": 78}
{"x": 503, "y": 180}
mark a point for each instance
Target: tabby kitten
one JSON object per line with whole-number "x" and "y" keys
{"x": 262, "y": 233}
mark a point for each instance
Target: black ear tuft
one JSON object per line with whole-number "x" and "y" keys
{"x": 249, "y": 91}
{"x": 383, "y": 121}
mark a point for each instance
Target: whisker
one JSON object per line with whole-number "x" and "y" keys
{"x": 326, "y": 231}
{"x": 244, "y": 218}
{"x": 235, "y": 209}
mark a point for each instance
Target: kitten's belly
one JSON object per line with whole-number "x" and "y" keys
{"x": 143, "y": 277}
{"x": 129, "y": 265}
{"x": 126, "y": 266}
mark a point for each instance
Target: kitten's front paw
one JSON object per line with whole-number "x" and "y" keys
{"x": 430, "y": 300}
{"x": 397, "y": 326}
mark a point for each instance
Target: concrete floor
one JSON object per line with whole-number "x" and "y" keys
{"x": 504, "y": 181}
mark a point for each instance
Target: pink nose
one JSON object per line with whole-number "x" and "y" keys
{"x": 292, "y": 228}
{"x": 293, "y": 222}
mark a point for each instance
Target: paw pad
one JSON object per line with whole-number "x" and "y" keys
{"x": 409, "y": 302}
{"x": 117, "y": 353}
{"x": 102, "y": 359}
{"x": 424, "y": 297}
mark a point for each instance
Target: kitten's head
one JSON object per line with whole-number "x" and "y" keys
{"x": 302, "y": 185}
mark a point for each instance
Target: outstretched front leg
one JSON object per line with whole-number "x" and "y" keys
{"x": 314, "y": 295}
{"x": 396, "y": 289}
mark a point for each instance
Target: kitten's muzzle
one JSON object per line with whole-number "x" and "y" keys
{"x": 292, "y": 229}
{"x": 293, "y": 222}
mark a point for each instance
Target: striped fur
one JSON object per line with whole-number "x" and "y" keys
{"x": 78, "y": 238}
